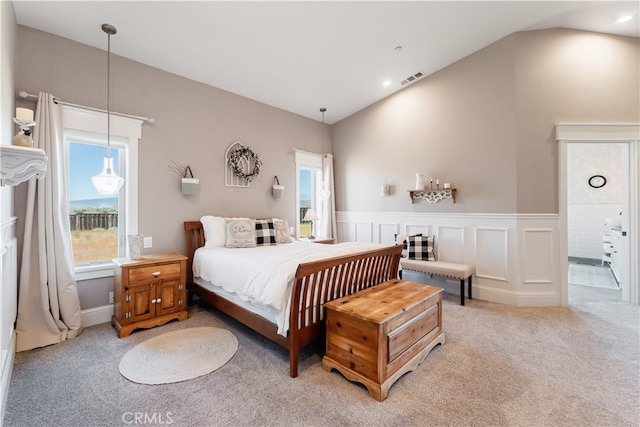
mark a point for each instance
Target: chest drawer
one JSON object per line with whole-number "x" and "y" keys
{"x": 163, "y": 272}
{"x": 405, "y": 336}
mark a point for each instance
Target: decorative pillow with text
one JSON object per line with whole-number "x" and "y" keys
{"x": 240, "y": 233}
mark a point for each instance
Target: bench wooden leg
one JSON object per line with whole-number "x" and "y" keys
{"x": 461, "y": 291}
{"x": 470, "y": 287}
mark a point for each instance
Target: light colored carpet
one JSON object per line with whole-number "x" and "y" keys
{"x": 178, "y": 356}
{"x": 592, "y": 275}
{"x": 500, "y": 366}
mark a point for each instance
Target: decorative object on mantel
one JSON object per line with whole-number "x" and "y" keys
{"x": 242, "y": 165}
{"x": 24, "y": 119}
{"x": 433, "y": 196}
{"x": 277, "y": 190}
{"x": 419, "y": 182}
{"x": 107, "y": 182}
{"x": 18, "y": 164}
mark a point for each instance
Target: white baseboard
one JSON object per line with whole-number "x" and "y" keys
{"x": 97, "y": 315}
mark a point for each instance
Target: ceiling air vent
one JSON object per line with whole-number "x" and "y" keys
{"x": 412, "y": 78}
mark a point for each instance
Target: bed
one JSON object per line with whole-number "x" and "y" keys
{"x": 297, "y": 320}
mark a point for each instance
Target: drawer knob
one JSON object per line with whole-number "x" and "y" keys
{"x": 153, "y": 301}
{"x": 155, "y": 273}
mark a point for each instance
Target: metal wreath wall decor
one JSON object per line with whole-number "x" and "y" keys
{"x": 244, "y": 163}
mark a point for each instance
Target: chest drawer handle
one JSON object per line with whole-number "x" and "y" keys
{"x": 155, "y": 273}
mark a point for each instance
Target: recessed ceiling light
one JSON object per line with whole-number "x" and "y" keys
{"x": 386, "y": 83}
{"x": 625, "y": 18}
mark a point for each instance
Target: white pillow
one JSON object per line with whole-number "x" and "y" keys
{"x": 214, "y": 234}
{"x": 240, "y": 233}
{"x": 282, "y": 231}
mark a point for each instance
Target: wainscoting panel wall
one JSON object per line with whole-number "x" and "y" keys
{"x": 515, "y": 255}
{"x": 450, "y": 244}
{"x": 9, "y": 285}
{"x": 387, "y": 233}
{"x": 492, "y": 253}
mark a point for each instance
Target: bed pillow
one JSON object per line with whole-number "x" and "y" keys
{"x": 401, "y": 239}
{"x": 240, "y": 233}
{"x": 421, "y": 248}
{"x": 265, "y": 232}
{"x": 282, "y": 231}
{"x": 214, "y": 231}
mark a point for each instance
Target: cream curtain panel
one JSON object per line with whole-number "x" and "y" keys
{"x": 48, "y": 305}
{"x": 327, "y": 214}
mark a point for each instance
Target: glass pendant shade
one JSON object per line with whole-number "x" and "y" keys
{"x": 107, "y": 182}
{"x": 324, "y": 192}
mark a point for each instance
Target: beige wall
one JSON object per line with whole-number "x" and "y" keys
{"x": 486, "y": 124}
{"x": 7, "y": 110}
{"x": 194, "y": 124}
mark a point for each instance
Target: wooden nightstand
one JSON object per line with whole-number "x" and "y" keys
{"x": 149, "y": 291}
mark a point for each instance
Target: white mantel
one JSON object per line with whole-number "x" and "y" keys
{"x": 18, "y": 164}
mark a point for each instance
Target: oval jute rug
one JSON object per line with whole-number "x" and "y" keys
{"x": 178, "y": 356}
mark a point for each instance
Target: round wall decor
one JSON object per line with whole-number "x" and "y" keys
{"x": 244, "y": 163}
{"x": 597, "y": 181}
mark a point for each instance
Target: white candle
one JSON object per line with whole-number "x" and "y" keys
{"x": 24, "y": 114}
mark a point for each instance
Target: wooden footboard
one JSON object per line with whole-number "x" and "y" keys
{"x": 315, "y": 283}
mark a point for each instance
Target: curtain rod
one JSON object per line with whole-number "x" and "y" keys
{"x": 25, "y": 95}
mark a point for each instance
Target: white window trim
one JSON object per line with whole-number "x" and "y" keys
{"x": 80, "y": 120}
{"x": 309, "y": 161}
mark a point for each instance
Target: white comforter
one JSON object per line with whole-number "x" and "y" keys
{"x": 264, "y": 274}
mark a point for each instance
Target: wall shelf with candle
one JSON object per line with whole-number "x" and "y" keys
{"x": 433, "y": 195}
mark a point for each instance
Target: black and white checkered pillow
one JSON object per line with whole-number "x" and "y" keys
{"x": 421, "y": 248}
{"x": 401, "y": 239}
{"x": 265, "y": 232}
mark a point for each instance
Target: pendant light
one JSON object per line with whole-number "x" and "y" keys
{"x": 107, "y": 182}
{"x": 324, "y": 193}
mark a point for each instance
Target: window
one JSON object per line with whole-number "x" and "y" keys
{"x": 308, "y": 182}
{"x": 99, "y": 224}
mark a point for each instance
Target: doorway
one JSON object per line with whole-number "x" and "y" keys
{"x": 622, "y": 212}
{"x": 596, "y": 200}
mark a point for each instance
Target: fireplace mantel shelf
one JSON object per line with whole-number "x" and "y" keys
{"x": 18, "y": 164}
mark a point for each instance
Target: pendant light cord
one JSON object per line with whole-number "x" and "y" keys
{"x": 108, "y": 92}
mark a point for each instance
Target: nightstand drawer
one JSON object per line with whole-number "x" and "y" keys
{"x": 164, "y": 272}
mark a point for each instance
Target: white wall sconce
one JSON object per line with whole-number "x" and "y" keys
{"x": 189, "y": 185}
{"x": 24, "y": 119}
{"x": 278, "y": 190}
{"x": 385, "y": 188}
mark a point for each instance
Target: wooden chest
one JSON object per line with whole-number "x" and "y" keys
{"x": 377, "y": 335}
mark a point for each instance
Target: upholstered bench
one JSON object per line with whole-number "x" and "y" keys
{"x": 441, "y": 268}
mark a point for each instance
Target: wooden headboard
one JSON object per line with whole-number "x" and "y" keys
{"x": 195, "y": 239}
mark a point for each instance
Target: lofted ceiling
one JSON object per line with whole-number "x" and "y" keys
{"x": 300, "y": 56}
